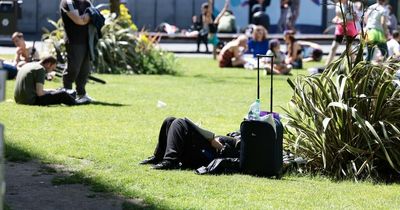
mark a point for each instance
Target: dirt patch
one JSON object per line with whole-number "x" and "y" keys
{"x": 29, "y": 186}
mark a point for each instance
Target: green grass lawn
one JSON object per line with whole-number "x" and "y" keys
{"x": 104, "y": 142}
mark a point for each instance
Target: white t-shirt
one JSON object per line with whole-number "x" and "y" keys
{"x": 375, "y": 12}
{"x": 393, "y": 47}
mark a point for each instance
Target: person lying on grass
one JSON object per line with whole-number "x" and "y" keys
{"x": 183, "y": 144}
{"x": 30, "y": 81}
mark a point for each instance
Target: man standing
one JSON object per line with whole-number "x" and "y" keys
{"x": 377, "y": 30}
{"x": 30, "y": 81}
{"x": 295, "y": 12}
{"x": 77, "y": 38}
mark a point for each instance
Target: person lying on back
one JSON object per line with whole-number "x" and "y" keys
{"x": 30, "y": 81}
{"x": 183, "y": 144}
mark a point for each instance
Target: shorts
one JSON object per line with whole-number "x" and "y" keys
{"x": 375, "y": 36}
{"x": 351, "y": 29}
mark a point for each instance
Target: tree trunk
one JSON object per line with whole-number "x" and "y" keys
{"x": 114, "y": 6}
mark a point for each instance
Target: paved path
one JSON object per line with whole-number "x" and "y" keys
{"x": 29, "y": 187}
{"x": 182, "y": 49}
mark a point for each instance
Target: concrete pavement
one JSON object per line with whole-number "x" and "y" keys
{"x": 181, "y": 49}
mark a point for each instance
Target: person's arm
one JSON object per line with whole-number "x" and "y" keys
{"x": 17, "y": 58}
{"x": 76, "y": 18}
{"x": 384, "y": 25}
{"x": 366, "y": 14}
{"x": 216, "y": 144}
{"x": 210, "y": 8}
{"x": 226, "y": 6}
{"x": 396, "y": 51}
{"x": 236, "y": 52}
{"x": 39, "y": 89}
{"x": 310, "y": 44}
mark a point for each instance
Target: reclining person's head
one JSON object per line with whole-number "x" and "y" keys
{"x": 49, "y": 63}
{"x": 18, "y": 39}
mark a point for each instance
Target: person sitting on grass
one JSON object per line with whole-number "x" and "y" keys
{"x": 23, "y": 55}
{"x": 258, "y": 44}
{"x": 293, "y": 55}
{"x": 393, "y": 45}
{"x": 279, "y": 65}
{"x": 183, "y": 144}
{"x": 231, "y": 53}
{"x": 30, "y": 81}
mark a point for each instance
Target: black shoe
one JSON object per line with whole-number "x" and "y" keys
{"x": 150, "y": 160}
{"x": 167, "y": 165}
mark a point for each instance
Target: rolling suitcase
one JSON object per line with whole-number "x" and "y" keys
{"x": 261, "y": 147}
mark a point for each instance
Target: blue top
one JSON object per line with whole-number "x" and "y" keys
{"x": 257, "y": 47}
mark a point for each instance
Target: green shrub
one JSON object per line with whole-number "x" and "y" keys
{"x": 122, "y": 50}
{"x": 346, "y": 121}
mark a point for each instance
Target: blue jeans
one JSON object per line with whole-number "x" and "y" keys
{"x": 11, "y": 70}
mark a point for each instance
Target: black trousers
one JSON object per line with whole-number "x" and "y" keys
{"x": 202, "y": 38}
{"x": 56, "y": 97}
{"x": 78, "y": 67}
{"x": 178, "y": 141}
{"x": 371, "y": 48}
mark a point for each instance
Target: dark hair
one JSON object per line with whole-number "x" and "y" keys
{"x": 317, "y": 54}
{"x": 292, "y": 40}
{"x": 273, "y": 43}
{"x": 395, "y": 34}
{"x": 48, "y": 59}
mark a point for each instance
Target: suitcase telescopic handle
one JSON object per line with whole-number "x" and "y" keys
{"x": 272, "y": 76}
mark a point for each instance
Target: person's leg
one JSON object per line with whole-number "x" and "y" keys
{"x": 383, "y": 48}
{"x": 205, "y": 41}
{"x": 238, "y": 62}
{"x": 11, "y": 70}
{"x": 56, "y": 97}
{"x": 74, "y": 59}
{"x": 178, "y": 133}
{"x": 159, "y": 152}
{"x": 370, "y": 54}
{"x": 332, "y": 52}
{"x": 198, "y": 41}
{"x": 84, "y": 71}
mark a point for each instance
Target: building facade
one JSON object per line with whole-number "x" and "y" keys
{"x": 149, "y": 14}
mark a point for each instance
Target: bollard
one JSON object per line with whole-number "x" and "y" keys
{"x": 3, "y": 77}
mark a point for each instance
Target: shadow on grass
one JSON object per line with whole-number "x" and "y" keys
{"x": 14, "y": 153}
{"x": 100, "y": 103}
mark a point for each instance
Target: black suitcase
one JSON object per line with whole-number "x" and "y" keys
{"x": 261, "y": 148}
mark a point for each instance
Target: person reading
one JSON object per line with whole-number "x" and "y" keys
{"x": 30, "y": 82}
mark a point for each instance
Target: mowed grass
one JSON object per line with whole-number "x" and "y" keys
{"x": 104, "y": 142}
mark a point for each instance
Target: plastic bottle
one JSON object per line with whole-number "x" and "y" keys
{"x": 254, "y": 111}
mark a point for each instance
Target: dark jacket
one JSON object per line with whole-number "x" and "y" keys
{"x": 96, "y": 18}
{"x": 97, "y": 21}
